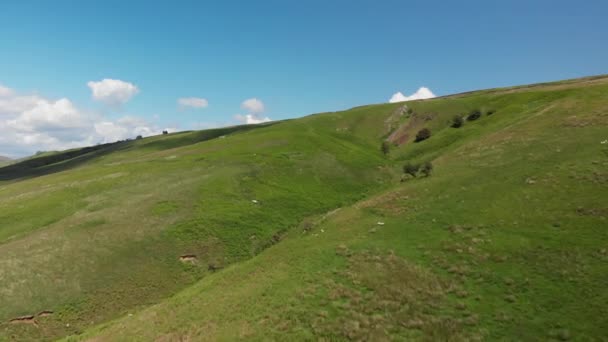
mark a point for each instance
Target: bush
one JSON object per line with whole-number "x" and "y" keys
{"x": 474, "y": 115}
{"x": 457, "y": 121}
{"x": 139, "y": 137}
{"x": 426, "y": 169}
{"x": 385, "y": 147}
{"x": 411, "y": 169}
{"x": 423, "y": 134}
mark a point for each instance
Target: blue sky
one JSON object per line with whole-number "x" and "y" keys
{"x": 294, "y": 57}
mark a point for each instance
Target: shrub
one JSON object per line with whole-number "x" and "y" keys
{"x": 474, "y": 115}
{"x": 385, "y": 147}
{"x": 405, "y": 110}
{"x": 426, "y": 169}
{"x": 139, "y": 137}
{"x": 165, "y": 132}
{"x": 457, "y": 121}
{"x": 411, "y": 169}
{"x": 423, "y": 134}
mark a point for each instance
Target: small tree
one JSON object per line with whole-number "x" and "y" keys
{"x": 426, "y": 169}
{"x": 411, "y": 169}
{"x": 423, "y": 134}
{"x": 385, "y": 147}
{"x": 139, "y": 137}
{"x": 457, "y": 121}
{"x": 474, "y": 115}
{"x": 165, "y": 132}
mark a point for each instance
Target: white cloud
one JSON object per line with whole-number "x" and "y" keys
{"x": 110, "y": 131}
{"x": 420, "y": 94}
{"x": 5, "y": 92}
{"x": 48, "y": 115}
{"x": 194, "y": 102}
{"x": 112, "y": 92}
{"x": 250, "y": 119}
{"x": 253, "y": 105}
{"x": 12, "y": 104}
{"x": 30, "y": 123}
{"x": 139, "y": 126}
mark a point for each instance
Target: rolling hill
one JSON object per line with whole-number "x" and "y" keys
{"x": 303, "y": 229}
{"x": 5, "y": 161}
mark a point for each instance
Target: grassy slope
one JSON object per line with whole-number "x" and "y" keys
{"x": 102, "y": 237}
{"x": 5, "y": 161}
{"x": 507, "y": 240}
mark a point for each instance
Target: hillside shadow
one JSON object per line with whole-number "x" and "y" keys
{"x": 62, "y": 161}
{"x": 40, "y": 166}
{"x": 193, "y": 137}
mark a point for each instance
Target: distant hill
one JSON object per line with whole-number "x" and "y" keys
{"x": 305, "y": 230}
{"x": 5, "y": 161}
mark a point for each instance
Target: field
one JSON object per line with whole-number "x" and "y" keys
{"x": 304, "y": 230}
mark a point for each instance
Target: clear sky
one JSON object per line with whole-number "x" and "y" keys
{"x": 250, "y": 61}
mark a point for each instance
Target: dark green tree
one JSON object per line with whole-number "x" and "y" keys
{"x": 457, "y": 121}
{"x": 426, "y": 169}
{"x": 423, "y": 134}
{"x": 385, "y": 147}
{"x": 474, "y": 115}
{"x": 411, "y": 169}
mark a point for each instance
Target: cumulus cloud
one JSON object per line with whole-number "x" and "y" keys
{"x": 253, "y": 105}
{"x": 49, "y": 115}
{"x": 31, "y": 123}
{"x": 251, "y": 119}
{"x": 193, "y": 102}
{"x": 420, "y": 94}
{"x": 110, "y": 131}
{"x": 112, "y": 92}
{"x": 4, "y": 91}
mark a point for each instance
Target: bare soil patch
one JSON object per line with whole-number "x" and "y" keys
{"x": 29, "y": 319}
{"x": 188, "y": 258}
{"x": 45, "y": 313}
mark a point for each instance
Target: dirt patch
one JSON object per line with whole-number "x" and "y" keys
{"x": 24, "y": 320}
{"x": 401, "y": 135}
{"x": 30, "y": 319}
{"x": 393, "y": 120}
{"x": 592, "y": 211}
{"x": 45, "y": 313}
{"x": 188, "y": 258}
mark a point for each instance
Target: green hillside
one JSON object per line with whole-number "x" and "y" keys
{"x": 303, "y": 229}
{"x": 5, "y": 161}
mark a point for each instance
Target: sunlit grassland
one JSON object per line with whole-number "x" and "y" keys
{"x": 304, "y": 230}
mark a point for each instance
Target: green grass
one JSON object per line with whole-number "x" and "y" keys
{"x": 506, "y": 239}
{"x": 4, "y": 161}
